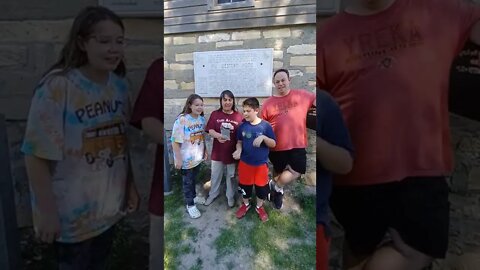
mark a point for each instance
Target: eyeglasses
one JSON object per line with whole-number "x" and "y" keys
{"x": 106, "y": 40}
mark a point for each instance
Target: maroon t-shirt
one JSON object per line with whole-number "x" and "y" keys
{"x": 150, "y": 104}
{"x": 218, "y": 119}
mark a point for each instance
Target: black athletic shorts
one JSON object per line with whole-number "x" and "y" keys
{"x": 417, "y": 207}
{"x": 296, "y": 158}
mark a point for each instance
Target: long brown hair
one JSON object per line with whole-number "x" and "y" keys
{"x": 72, "y": 56}
{"x": 188, "y": 103}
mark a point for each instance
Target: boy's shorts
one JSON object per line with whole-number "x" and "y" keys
{"x": 296, "y": 158}
{"x": 252, "y": 175}
{"x": 417, "y": 207}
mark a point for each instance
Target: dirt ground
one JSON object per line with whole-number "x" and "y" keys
{"x": 218, "y": 216}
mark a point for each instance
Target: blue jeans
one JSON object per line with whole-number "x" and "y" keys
{"x": 91, "y": 254}
{"x": 188, "y": 177}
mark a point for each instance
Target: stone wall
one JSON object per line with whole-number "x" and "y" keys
{"x": 465, "y": 193}
{"x": 30, "y": 43}
{"x": 294, "y": 49}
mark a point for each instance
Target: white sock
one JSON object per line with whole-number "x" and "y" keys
{"x": 278, "y": 189}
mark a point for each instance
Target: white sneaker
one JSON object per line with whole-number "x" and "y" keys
{"x": 193, "y": 211}
{"x": 199, "y": 200}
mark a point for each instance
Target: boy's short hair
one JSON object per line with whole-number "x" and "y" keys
{"x": 281, "y": 70}
{"x": 251, "y": 102}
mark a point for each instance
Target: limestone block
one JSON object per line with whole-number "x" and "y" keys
{"x": 213, "y": 37}
{"x": 223, "y": 44}
{"x": 302, "y": 49}
{"x": 187, "y": 86}
{"x": 303, "y": 61}
{"x": 170, "y": 84}
{"x": 184, "y": 40}
{"x": 252, "y": 34}
{"x": 13, "y": 56}
{"x": 34, "y": 31}
{"x": 277, "y": 33}
{"x": 183, "y": 57}
{"x": 181, "y": 67}
{"x": 141, "y": 56}
{"x": 144, "y": 29}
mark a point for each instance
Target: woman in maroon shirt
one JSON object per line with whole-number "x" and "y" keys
{"x": 222, "y": 126}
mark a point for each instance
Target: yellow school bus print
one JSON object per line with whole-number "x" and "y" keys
{"x": 196, "y": 138}
{"x": 104, "y": 143}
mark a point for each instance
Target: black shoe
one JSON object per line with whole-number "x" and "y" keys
{"x": 278, "y": 199}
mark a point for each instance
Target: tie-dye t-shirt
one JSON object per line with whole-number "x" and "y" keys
{"x": 188, "y": 131}
{"x": 80, "y": 127}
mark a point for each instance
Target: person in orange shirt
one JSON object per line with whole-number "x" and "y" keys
{"x": 387, "y": 66}
{"x": 286, "y": 111}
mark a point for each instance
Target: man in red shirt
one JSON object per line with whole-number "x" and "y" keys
{"x": 287, "y": 112}
{"x": 148, "y": 116}
{"x": 387, "y": 64}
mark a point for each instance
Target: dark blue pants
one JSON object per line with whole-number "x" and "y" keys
{"x": 91, "y": 254}
{"x": 189, "y": 176}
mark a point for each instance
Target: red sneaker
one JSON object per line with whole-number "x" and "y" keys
{"x": 262, "y": 214}
{"x": 242, "y": 211}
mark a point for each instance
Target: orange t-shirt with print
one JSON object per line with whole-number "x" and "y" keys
{"x": 288, "y": 117}
{"x": 389, "y": 72}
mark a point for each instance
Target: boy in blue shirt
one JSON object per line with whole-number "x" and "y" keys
{"x": 255, "y": 137}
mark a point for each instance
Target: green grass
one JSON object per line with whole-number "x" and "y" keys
{"x": 287, "y": 239}
{"x": 176, "y": 230}
{"x": 282, "y": 238}
{"x": 129, "y": 250}
{"x": 198, "y": 265}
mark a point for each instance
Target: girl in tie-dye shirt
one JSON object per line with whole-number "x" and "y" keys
{"x": 189, "y": 150}
{"x": 76, "y": 146}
